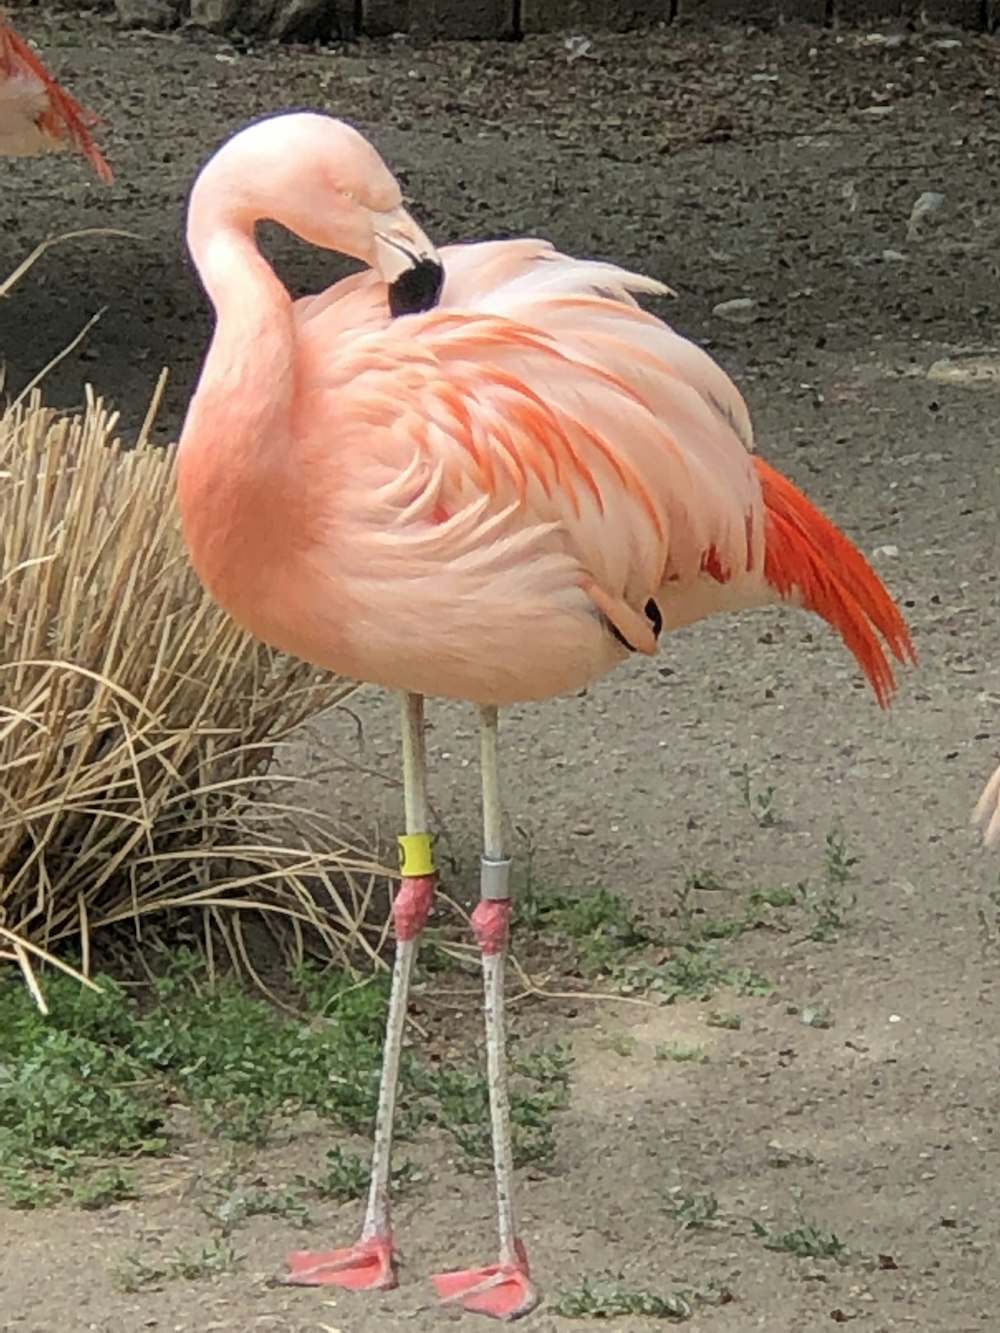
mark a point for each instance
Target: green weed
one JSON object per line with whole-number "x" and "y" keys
{"x": 610, "y": 1298}
{"x": 94, "y": 1081}
{"x": 92, "y": 1086}
{"x": 240, "y": 1063}
{"x": 608, "y": 937}
{"x": 681, "y": 1053}
{"x": 705, "y": 881}
{"x": 67, "y": 1095}
{"x": 457, "y": 1100}
{"x": 693, "y": 923}
{"x": 694, "y": 971}
{"x": 24, "y": 1190}
{"x": 777, "y": 898}
{"x": 812, "y": 1017}
{"x": 602, "y": 925}
{"x": 830, "y": 903}
{"x": 241, "y": 1202}
{"x": 346, "y": 1176}
{"x": 142, "y": 1272}
{"x": 838, "y": 860}
{"x": 758, "y": 800}
{"x": 622, "y": 1043}
{"x": 732, "y": 1022}
{"x": 104, "y": 1188}
{"x": 804, "y": 1242}
{"x": 692, "y": 1212}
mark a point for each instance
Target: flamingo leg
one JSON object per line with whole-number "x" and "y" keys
{"x": 504, "y": 1289}
{"x": 371, "y": 1262}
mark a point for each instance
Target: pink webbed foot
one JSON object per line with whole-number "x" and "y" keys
{"x": 368, "y": 1266}
{"x": 503, "y": 1290}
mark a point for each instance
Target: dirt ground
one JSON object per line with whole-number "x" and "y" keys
{"x": 781, "y": 168}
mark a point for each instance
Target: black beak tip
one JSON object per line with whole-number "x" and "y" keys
{"x": 417, "y": 289}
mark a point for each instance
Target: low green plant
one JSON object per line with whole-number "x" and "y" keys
{"x": 777, "y": 898}
{"x": 830, "y": 902}
{"x": 692, "y": 1212}
{"x": 141, "y": 1271}
{"x": 611, "y": 1298}
{"x": 103, "y": 1188}
{"x": 346, "y": 1176}
{"x": 622, "y": 1043}
{"x": 602, "y": 925}
{"x": 731, "y": 1022}
{"x": 806, "y": 1241}
{"x": 93, "y": 1082}
{"x": 242, "y": 1201}
{"x": 812, "y": 1016}
{"x": 67, "y": 1096}
{"x": 457, "y": 1100}
{"x": 681, "y": 1053}
{"x": 758, "y": 800}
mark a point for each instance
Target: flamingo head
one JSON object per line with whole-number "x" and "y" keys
{"x": 326, "y": 183}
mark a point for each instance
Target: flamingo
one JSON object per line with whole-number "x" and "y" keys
{"x": 484, "y": 474}
{"x": 36, "y": 114}
{"x": 987, "y": 812}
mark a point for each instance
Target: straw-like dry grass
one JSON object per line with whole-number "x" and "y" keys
{"x": 137, "y": 723}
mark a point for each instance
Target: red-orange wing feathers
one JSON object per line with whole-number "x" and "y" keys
{"x": 563, "y": 411}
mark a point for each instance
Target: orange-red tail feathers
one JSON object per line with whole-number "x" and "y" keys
{"x": 65, "y": 120}
{"x": 810, "y": 561}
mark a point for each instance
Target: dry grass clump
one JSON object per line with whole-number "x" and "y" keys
{"x": 137, "y": 723}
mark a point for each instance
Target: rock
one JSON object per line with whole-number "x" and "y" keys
{"x": 927, "y": 206}
{"x": 973, "y": 372}
{"x": 743, "y": 310}
{"x": 156, "y": 15}
{"x": 296, "y": 20}
{"x": 216, "y": 15}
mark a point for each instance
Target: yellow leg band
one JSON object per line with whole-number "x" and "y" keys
{"x": 416, "y": 854}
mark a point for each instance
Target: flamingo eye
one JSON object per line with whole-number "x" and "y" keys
{"x": 349, "y": 195}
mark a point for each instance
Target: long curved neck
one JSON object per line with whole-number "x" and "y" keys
{"x": 233, "y": 453}
{"x": 248, "y": 371}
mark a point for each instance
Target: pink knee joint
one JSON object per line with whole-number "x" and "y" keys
{"x": 491, "y": 924}
{"x": 412, "y": 904}
{"x": 491, "y": 919}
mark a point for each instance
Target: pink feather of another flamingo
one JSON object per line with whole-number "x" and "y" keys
{"x": 496, "y": 499}
{"x": 36, "y": 114}
{"x": 987, "y": 812}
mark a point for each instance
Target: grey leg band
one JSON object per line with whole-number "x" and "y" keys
{"x": 495, "y": 878}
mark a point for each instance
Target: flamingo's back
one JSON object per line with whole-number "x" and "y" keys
{"x": 499, "y": 498}
{"x": 36, "y": 114}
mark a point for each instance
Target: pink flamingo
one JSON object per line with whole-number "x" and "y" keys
{"x": 987, "y": 811}
{"x": 494, "y": 489}
{"x": 36, "y": 114}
